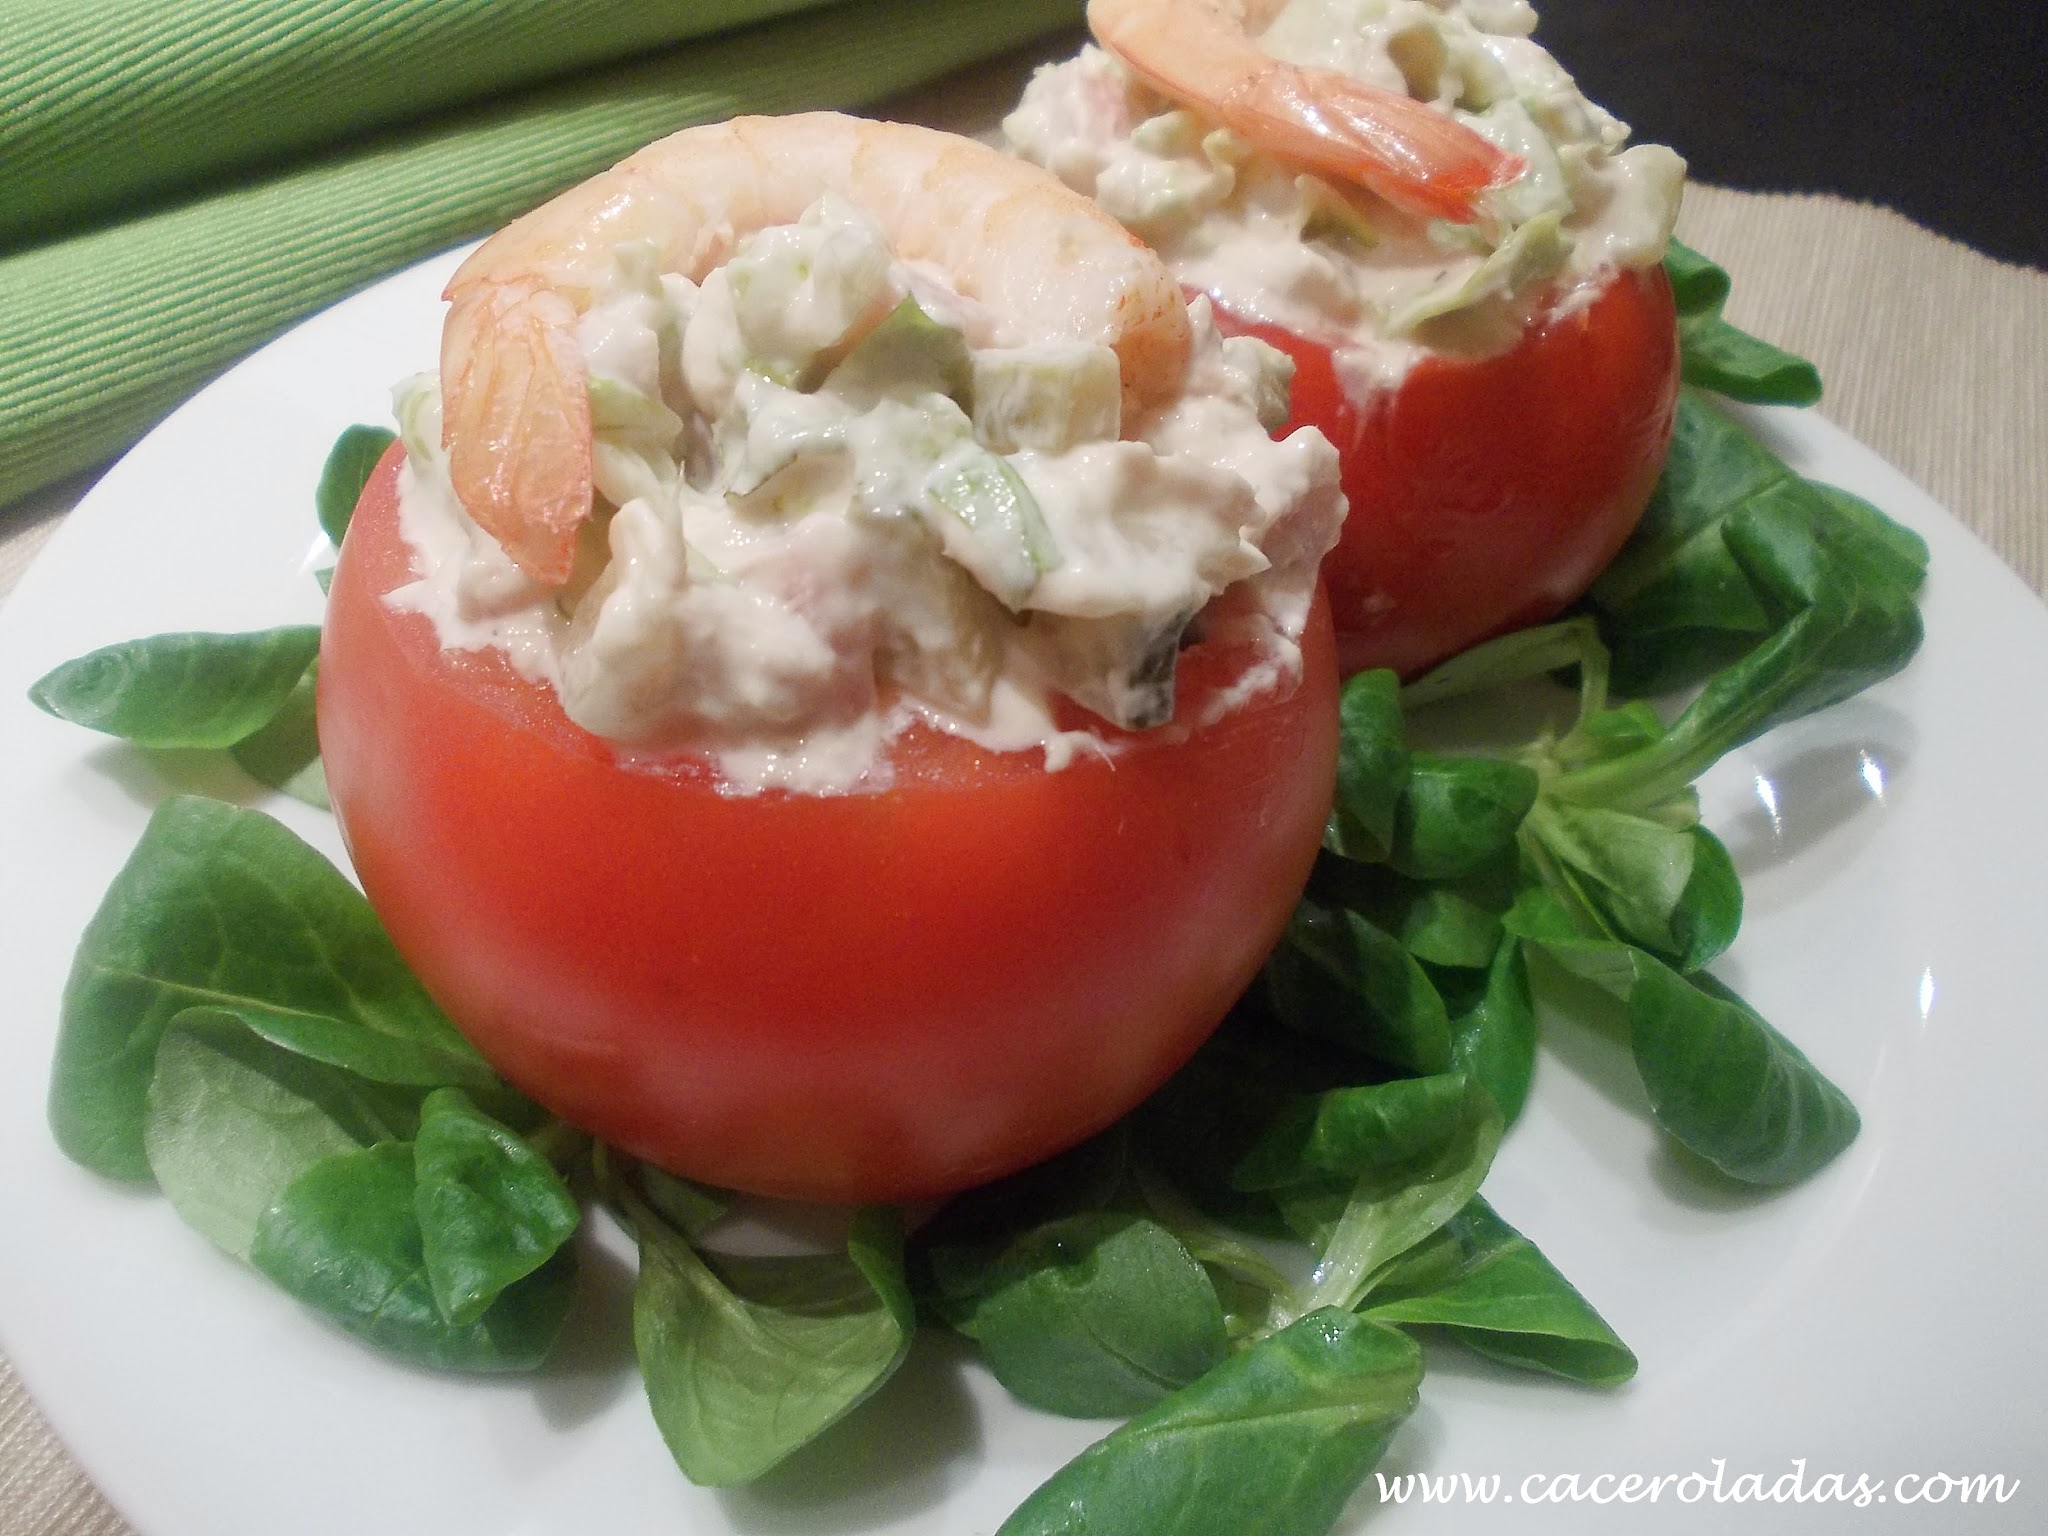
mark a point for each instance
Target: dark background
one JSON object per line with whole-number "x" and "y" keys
{"x": 1937, "y": 110}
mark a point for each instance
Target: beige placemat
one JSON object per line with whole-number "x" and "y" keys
{"x": 1930, "y": 353}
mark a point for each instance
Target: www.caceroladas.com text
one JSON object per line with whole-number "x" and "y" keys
{"x": 1794, "y": 1484}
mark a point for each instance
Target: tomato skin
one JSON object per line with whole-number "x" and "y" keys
{"x": 868, "y": 996}
{"x": 1487, "y": 493}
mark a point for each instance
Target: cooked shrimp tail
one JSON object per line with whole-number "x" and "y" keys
{"x": 1202, "y": 55}
{"x": 1404, "y": 150}
{"x": 516, "y": 421}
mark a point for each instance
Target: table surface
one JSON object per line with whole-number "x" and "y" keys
{"x": 1931, "y": 353}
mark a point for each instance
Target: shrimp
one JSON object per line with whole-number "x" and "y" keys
{"x": 1202, "y": 54}
{"x": 1043, "y": 259}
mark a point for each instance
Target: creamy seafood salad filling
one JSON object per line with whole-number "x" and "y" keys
{"x": 833, "y": 497}
{"x": 1333, "y": 263}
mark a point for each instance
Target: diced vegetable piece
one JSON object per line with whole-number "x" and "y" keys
{"x": 907, "y": 355}
{"x": 1049, "y": 397}
{"x": 1122, "y": 667}
{"x": 798, "y": 290}
{"x": 995, "y": 529}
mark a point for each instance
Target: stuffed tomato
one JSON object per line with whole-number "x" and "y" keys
{"x": 1457, "y": 249}
{"x": 832, "y": 693}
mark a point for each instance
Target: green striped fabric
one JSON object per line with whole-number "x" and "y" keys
{"x": 104, "y": 331}
{"x": 107, "y": 103}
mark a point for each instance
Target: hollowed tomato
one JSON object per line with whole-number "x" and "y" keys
{"x": 875, "y": 995}
{"x": 1487, "y": 492}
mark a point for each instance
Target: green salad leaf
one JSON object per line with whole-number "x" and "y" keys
{"x": 238, "y": 1027}
{"x": 1273, "y": 1440}
{"x": 1612, "y": 876}
{"x": 347, "y": 470}
{"x": 1337, "y": 975}
{"x": 1671, "y": 890}
{"x": 1716, "y": 355}
{"x": 345, "y": 1237}
{"x": 220, "y": 907}
{"x": 1493, "y": 1035}
{"x": 1098, "y": 1314}
{"x": 1479, "y": 1280}
{"x": 232, "y": 1118}
{"x": 284, "y": 751}
{"x": 1732, "y": 545}
{"x": 747, "y": 1359}
{"x": 1442, "y": 927}
{"x": 1721, "y": 1080}
{"x": 492, "y": 1210}
{"x": 1372, "y": 764}
{"x": 250, "y": 694}
{"x": 1456, "y": 815}
{"x": 182, "y": 690}
{"x": 1372, "y": 1171}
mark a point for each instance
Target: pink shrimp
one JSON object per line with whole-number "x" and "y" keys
{"x": 1202, "y": 54}
{"x": 515, "y": 401}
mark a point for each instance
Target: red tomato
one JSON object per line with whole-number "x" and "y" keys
{"x": 1487, "y": 493}
{"x": 848, "y": 997}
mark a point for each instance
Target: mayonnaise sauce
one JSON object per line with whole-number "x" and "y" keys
{"x": 802, "y": 544}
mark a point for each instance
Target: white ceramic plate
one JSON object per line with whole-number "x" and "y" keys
{"x": 1881, "y": 1320}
